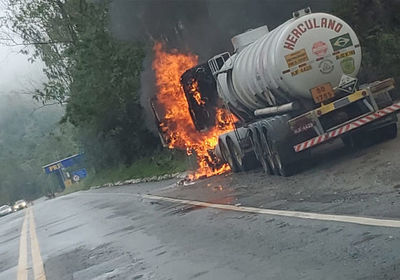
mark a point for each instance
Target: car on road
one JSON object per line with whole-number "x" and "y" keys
{"x": 20, "y": 204}
{"x": 5, "y": 210}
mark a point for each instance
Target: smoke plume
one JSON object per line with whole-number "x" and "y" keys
{"x": 202, "y": 27}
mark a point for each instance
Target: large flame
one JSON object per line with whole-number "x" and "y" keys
{"x": 177, "y": 123}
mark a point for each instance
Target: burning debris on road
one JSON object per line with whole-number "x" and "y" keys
{"x": 176, "y": 122}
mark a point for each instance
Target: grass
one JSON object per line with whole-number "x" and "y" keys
{"x": 165, "y": 162}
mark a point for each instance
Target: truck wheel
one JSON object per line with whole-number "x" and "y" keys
{"x": 265, "y": 165}
{"x": 390, "y": 131}
{"x": 284, "y": 156}
{"x": 259, "y": 151}
{"x": 381, "y": 134}
{"x": 228, "y": 157}
{"x": 235, "y": 155}
{"x": 283, "y": 169}
{"x": 250, "y": 162}
{"x": 268, "y": 153}
{"x": 367, "y": 138}
{"x": 348, "y": 141}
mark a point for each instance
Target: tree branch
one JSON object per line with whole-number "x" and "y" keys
{"x": 45, "y": 105}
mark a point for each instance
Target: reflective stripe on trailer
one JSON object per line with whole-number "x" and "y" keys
{"x": 343, "y": 129}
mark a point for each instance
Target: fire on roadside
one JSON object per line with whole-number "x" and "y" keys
{"x": 176, "y": 123}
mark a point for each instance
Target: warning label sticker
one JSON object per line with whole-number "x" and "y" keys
{"x": 348, "y": 65}
{"x": 326, "y": 66}
{"x": 345, "y": 54}
{"x": 296, "y": 58}
{"x": 300, "y": 70}
{"x": 319, "y": 48}
{"x": 341, "y": 42}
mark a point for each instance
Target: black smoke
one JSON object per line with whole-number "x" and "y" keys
{"x": 203, "y": 27}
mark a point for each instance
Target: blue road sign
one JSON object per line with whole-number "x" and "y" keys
{"x": 79, "y": 174}
{"x": 66, "y": 162}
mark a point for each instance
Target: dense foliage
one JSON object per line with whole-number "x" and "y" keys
{"x": 377, "y": 23}
{"x": 96, "y": 76}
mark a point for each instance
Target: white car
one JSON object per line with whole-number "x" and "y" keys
{"x": 20, "y": 204}
{"x": 5, "y": 210}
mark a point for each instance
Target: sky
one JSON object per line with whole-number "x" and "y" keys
{"x": 17, "y": 74}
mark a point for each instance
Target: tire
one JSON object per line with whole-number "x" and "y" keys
{"x": 237, "y": 160}
{"x": 272, "y": 141}
{"x": 228, "y": 157}
{"x": 284, "y": 156}
{"x": 250, "y": 162}
{"x": 259, "y": 151}
{"x": 389, "y": 132}
{"x": 283, "y": 169}
{"x": 349, "y": 141}
{"x": 277, "y": 146}
{"x": 241, "y": 162}
{"x": 382, "y": 134}
{"x": 268, "y": 152}
{"x": 364, "y": 139}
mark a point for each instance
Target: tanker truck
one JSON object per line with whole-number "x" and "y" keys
{"x": 291, "y": 89}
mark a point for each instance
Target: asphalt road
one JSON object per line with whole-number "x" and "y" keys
{"x": 122, "y": 233}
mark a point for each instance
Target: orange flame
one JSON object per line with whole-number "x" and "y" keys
{"x": 177, "y": 123}
{"x": 194, "y": 90}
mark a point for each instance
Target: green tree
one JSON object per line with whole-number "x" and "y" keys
{"x": 105, "y": 100}
{"x": 377, "y": 23}
{"x": 96, "y": 76}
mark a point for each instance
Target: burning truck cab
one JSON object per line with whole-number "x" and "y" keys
{"x": 201, "y": 94}
{"x": 187, "y": 109}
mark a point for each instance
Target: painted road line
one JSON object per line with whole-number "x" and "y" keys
{"x": 285, "y": 213}
{"x": 22, "y": 273}
{"x": 37, "y": 263}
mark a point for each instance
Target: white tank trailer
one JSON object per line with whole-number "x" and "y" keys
{"x": 294, "y": 88}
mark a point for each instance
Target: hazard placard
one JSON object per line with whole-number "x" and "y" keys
{"x": 322, "y": 92}
{"x": 347, "y": 84}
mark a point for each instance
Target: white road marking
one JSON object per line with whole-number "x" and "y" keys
{"x": 38, "y": 269}
{"x": 285, "y": 213}
{"x": 22, "y": 273}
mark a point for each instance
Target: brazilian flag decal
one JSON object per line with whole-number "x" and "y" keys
{"x": 341, "y": 42}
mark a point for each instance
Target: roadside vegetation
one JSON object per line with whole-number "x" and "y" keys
{"x": 95, "y": 76}
{"x": 167, "y": 162}
{"x": 32, "y": 137}
{"x": 29, "y": 139}
{"x": 94, "y": 81}
{"x": 377, "y": 24}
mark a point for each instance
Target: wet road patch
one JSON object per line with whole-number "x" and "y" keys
{"x": 65, "y": 230}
